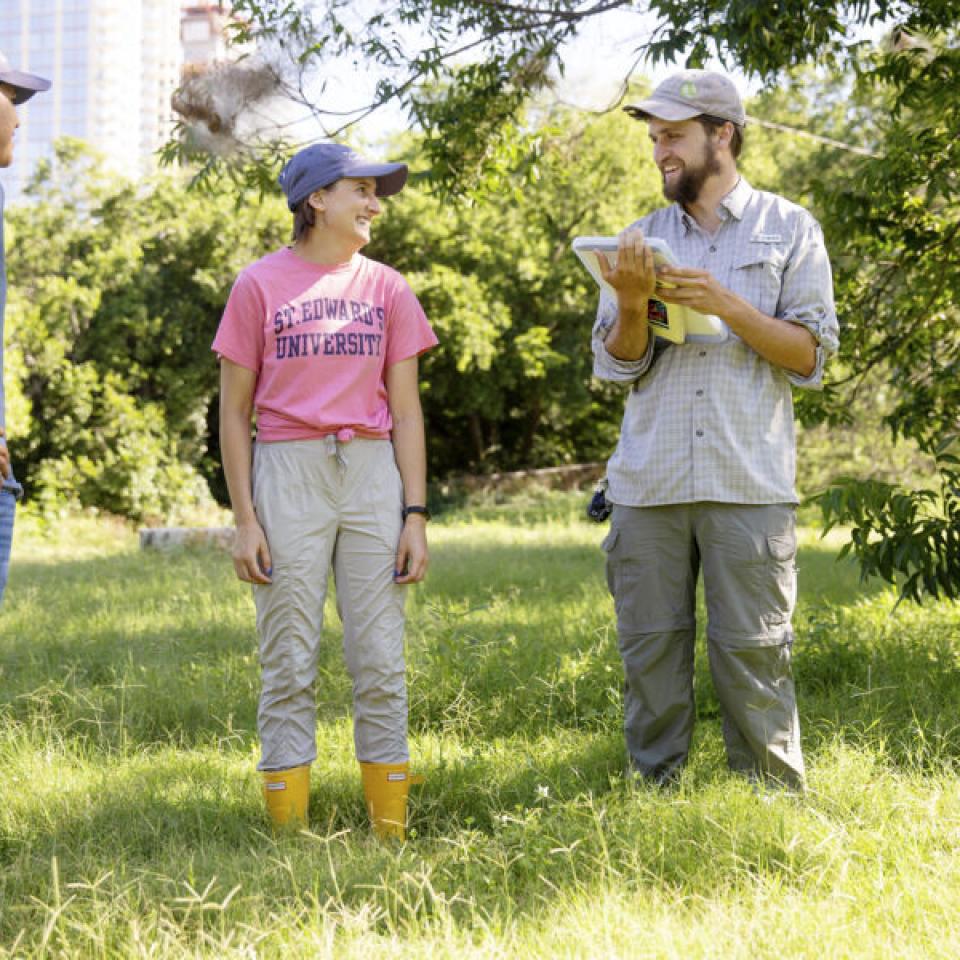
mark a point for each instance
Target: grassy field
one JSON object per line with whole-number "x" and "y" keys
{"x": 130, "y": 812}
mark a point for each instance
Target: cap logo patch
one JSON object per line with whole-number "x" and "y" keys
{"x": 688, "y": 89}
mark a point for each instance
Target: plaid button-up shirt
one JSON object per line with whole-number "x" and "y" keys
{"x": 714, "y": 421}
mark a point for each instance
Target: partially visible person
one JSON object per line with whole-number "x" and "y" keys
{"x": 322, "y": 343}
{"x": 703, "y": 475}
{"x": 15, "y": 89}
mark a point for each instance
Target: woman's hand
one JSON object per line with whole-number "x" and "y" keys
{"x": 251, "y": 554}
{"x": 412, "y": 555}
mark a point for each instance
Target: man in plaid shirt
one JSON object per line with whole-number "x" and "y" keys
{"x": 703, "y": 474}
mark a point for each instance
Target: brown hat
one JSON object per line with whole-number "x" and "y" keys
{"x": 692, "y": 93}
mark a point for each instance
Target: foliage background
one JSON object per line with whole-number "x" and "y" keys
{"x": 116, "y": 292}
{"x": 117, "y": 289}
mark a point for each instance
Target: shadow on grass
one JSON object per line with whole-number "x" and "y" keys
{"x": 510, "y": 665}
{"x": 515, "y": 682}
{"x": 520, "y": 839}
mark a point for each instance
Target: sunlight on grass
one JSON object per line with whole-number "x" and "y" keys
{"x": 131, "y": 820}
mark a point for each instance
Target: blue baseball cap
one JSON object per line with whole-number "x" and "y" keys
{"x": 321, "y": 164}
{"x": 25, "y": 85}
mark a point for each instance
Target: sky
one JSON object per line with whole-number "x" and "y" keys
{"x": 609, "y": 40}
{"x": 612, "y": 40}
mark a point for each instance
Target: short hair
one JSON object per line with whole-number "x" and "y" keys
{"x": 304, "y": 217}
{"x": 713, "y": 124}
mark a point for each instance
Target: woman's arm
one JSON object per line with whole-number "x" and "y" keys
{"x": 251, "y": 554}
{"x": 4, "y": 455}
{"x": 410, "y": 450}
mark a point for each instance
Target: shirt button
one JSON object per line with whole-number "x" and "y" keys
{"x": 699, "y": 433}
{"x": 703, "y": 353}
{"x": 699, "y": 393}
{"x": 713, "y": 249}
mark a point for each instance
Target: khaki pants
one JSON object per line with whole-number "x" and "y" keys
{"x": 654, "y": 555}
{"x": 325, "y": 505}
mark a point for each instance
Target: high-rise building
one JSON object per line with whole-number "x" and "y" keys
{"x": 114, "y": 65}
{"x": 162, "y": 61}
{"x": 204, "y": 33}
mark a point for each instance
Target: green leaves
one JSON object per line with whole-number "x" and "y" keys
{"x": 892, "y": 224}
{"x": 463, "y": 71}
{"x": 907, "y": 537}
{"x": 510, "y": 385}
{"x": 115, "y": 294}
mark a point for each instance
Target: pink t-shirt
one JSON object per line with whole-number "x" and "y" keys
{"x": 320, "y": 340}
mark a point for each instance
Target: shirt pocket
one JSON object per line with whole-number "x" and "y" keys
{"x": 758, "y": 275}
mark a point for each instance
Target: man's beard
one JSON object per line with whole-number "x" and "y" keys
{"x": 685, "y": 189}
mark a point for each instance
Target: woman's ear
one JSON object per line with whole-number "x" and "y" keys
{"x": 317, "y": 200}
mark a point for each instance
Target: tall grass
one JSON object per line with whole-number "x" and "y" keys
{"x": 131, "y": 820}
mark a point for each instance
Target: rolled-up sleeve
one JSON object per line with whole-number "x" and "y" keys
{"x": 605, "y": 365}
{"x": 806, "y": 298}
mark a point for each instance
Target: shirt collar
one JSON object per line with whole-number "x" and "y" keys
{"x": 734, "y": 204}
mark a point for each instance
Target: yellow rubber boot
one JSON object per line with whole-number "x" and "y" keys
{"x": 286, "y": 793}
{"x": 386, "y": 787}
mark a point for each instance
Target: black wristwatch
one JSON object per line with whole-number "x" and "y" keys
{"x": 416, "y": 509}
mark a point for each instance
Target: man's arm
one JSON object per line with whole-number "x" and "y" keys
{"x": 251, "y": 553}
{"x": 781, "y": 342}
{"x": 623, "y": 348}
{"x": 4, "y": 455}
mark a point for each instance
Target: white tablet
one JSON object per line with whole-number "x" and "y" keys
{"x": 677, "y": 324}
{"x": 586, "y": 248}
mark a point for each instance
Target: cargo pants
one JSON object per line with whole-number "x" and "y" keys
{"x": 748, "y": 557}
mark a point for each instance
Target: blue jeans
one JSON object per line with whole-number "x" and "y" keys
{"x": 8, "y": 505}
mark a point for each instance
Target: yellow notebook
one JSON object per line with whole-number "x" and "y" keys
{"x": 668, "y": 320}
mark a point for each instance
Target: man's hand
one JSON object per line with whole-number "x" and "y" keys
{"x": 633, "y": 277}
{"x": 782, "y": 343}
{"x": 412, "y": 556}
{"x": 4, "y": 456}
{"x": 251, "y": 554}
{"x": 697, "y": 289}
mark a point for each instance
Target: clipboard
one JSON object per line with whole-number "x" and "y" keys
{"x": 670, "y": 321}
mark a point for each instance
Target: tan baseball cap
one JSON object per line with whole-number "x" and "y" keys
{"x": 692, "y": 93}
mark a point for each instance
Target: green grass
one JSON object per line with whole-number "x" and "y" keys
{"x": 131, "y": 820}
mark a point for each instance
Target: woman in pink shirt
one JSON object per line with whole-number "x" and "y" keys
{"x": 322, "y": 344}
